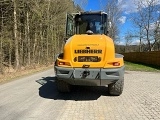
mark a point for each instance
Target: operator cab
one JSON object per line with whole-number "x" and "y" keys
{"x": 86, "y": 23}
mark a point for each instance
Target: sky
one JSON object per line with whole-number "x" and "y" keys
{"x": 127, "y": 7}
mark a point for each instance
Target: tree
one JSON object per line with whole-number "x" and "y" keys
{"x": 114, "y": 13}
{"x": 157, "y": 35}
{"x": 15, "y": 34}
{"x": 145, "y": 16}
{"x": 82, "y": 4}
{"x": 32, "y": 31}
{"x": 128, "y": 41}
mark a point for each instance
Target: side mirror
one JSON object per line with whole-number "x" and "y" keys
{"x": 65, "y": 39}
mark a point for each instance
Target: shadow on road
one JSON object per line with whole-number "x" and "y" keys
{"x": 78, "y": 93}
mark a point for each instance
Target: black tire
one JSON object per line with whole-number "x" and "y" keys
{"x": 62, "y": 86}
{"x": 116, "y": 88}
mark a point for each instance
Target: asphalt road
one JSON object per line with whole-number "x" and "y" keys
{"x": 36, "y": 98}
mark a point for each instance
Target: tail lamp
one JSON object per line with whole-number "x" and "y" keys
{"x": 116, "y": 64}
{"x": 64, "y": 63}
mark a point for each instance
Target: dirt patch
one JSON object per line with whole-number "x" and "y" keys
{"x": 12, "y": 74}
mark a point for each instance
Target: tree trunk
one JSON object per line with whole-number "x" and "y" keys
{"x": 10, "y": 54}
{"x": 28, "y": 41}
{"x": 48, "y": 30}
{"x": 41, "y": 51}
{"x": 15, "y": 36}
{"x": 1, "y": 57}
{"x": 140, "y": 40}
{"x": 34, "y": 48}
{"x": 1, "y": 49}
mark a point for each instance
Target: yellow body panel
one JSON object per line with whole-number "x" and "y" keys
{"x": 101, "y": 46}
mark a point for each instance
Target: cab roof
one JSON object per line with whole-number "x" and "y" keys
{"x": 89, "y": 12}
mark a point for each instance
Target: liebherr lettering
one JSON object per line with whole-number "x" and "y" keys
{"x": 89, "y": 51}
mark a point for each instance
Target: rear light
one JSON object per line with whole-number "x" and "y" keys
{"x": 61, "y": 63}
{"x": 64, "y": 63}
{"x": 116, "y": 64}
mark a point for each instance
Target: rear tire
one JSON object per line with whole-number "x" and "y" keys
{"x": 62, "y": 86}
{"x": 116, "y": 88}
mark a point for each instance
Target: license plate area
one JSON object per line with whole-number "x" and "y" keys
{"x": 88, "y": 59}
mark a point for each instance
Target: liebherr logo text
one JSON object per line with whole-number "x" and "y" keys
{"x": 88, "y": 51}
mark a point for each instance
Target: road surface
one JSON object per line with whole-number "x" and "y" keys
{"x": 36, "y": 98}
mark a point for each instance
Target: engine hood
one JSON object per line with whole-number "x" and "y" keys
{"x": 92, "y": 50}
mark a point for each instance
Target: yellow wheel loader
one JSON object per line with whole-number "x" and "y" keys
{"x": 89, "y": 57}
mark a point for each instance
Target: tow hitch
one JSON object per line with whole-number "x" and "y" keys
{"x": 85, "y": 73}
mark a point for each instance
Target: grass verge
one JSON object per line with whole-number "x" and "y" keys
{"x": 7, "y": 77}
{"x": 141, "y": 67}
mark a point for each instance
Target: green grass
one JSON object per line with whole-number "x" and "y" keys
{"x": 140, "y": 67}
